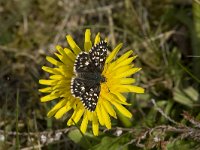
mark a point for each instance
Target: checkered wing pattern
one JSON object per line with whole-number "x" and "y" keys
{"x": 86, "y": 91}
{"x": 83, "y": 63}
{"x": 88, "y": 68}
{"x": 98, "y": 55}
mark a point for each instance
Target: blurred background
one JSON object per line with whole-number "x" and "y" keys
{"x": 165, "y": 34}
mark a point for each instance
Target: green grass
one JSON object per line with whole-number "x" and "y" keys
{"x": 165, "y": 34}
{"x": 17, "y": 123}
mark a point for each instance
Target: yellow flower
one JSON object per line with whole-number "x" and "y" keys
{"x": 118, "y": 81}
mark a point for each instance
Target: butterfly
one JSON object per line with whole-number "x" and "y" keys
{"x": 88, "y": 68}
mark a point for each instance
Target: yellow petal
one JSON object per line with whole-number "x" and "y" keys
{"x": 107, "y": 68}
{"x": 73, "y": 45}
{"x": 123, "y": 63}
{"x": 60, "y": 49}
{"x": 106, "y": 104}
{"x": 63, "y": 84}
{"x": 95, "y": 125}
{"x": 88, "y": 43}
{"x": 121, "y": 70}
{"x": 50, "y": 70}
{"x": 49, "y": 97}
{"x": 46, "y": 90}
{"x": 113, "y": 53}
{"x": 66, "y": 72}
{"x": 67, "y": 55}
{"x": 56, "y": 107}
{"x": 71, "y": 120}
{"x": 127, "y": 73}
{"x": 63, "y": 110}
{"x": 65, "y": 60}
{"x": 106, "y": 118}
{"x": 56, "y": 77}
{"x": 126, "y": 81}
{"x": 47, "y": 82}
{"x": 131, "y": 88}
{"x": 89, "y": 115}
{"x": 70, "y": 54}
{"x": 84, "y": 123}
{"x": 53, "y": 61}
{"x": 119, "y": 96}
{"x": 99, "y": 114}
{"x": 78, "y": 112}
{"x": 111, "y": 97}
{"x": 122, "y": 109}
{"x": 97, "y": 39}
{"x": 124, "y": 56}
{"x": 120, "y": 88}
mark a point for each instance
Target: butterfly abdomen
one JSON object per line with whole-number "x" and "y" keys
{"x": 97, "y": 77}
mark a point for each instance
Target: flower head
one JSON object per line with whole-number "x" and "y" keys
{"x": 114, "y": 80}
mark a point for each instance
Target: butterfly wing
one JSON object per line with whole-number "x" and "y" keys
{"x": 83, "y": 63}
{"x": 88, "y": 92}
{"x": 88, "y": 68}
{"x": 94, "y": 61}
{"x": 98, "y": 54}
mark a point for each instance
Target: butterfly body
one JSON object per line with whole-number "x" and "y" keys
{"x": 88, "y": 69}
{"x": 91, "y": 76}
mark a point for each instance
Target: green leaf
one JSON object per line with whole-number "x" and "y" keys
{"x": 77, "y": 137}
{"x": 125, "y": 121}
{"x": 186, "y": 96}
{"x": 180, "y": 144}
{"x": 112, "y": 143}
{"x": 196, "y": 36}
{"x": 192, "y": 93}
